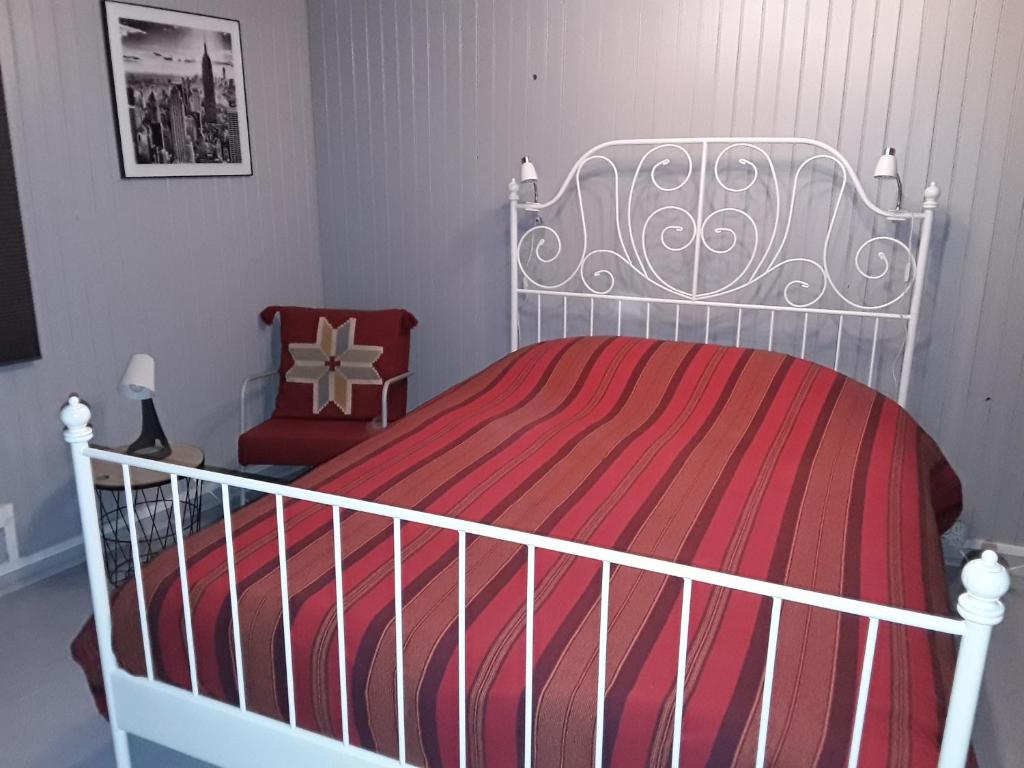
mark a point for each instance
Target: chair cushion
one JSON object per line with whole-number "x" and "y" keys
{"x": 300, "y": 442}
{"x": 334, "y": 361}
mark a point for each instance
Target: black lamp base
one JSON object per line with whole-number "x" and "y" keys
{"x": 151, "y": 443}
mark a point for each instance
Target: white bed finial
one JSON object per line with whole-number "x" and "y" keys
{"x": 513, "y": 190}
{"x": 75, "y": 415}
{"x": 931, "y": 196}
{"x": 986, "y": 581}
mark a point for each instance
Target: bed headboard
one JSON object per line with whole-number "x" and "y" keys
{"x": 757, "y": 242}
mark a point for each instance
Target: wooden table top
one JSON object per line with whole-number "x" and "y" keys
{"x": 109, "y": 476}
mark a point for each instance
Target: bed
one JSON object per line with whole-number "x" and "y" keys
{"x": 600, "y": 550}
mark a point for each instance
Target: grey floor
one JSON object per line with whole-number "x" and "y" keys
{"x": 47, "y": 717}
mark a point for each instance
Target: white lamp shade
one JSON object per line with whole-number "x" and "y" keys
{"x": 527, "y": 172}
{"x": 139, "y": 380}
{"x": 886, "y": 167}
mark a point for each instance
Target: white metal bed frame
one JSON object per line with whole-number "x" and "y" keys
{"x": 188, "y": 721}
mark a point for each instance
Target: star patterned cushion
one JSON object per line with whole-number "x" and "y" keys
{"x": 334, "y": 361}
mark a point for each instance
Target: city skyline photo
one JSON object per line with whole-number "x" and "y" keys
{"x": 178, "y": 87}
{"x": 150, "y": 48}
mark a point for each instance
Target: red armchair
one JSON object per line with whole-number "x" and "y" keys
{"x": 343, "y": 376}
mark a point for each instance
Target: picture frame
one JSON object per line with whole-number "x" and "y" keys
{"x": 178, "y": 86}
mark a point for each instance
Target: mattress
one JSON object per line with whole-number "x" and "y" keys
{"x": 748, "y": 462}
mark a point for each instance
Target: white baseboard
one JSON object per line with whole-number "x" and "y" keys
{"x": 22, "y": 571}
{"x": 28, "y": 569}
{"x": 1014, "y": 553}
{"x": 10, "y": 538}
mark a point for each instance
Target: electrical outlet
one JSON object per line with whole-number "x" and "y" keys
{"x": 8, "y": 537}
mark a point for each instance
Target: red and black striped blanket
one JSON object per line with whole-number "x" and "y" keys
{"x": 749, "y": 462}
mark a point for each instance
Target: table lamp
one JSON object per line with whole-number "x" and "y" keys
{"x": 139, "y": 383}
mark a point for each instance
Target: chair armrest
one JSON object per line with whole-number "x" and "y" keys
{"x": 384, "y": 395}
{"x": 241, "y": 396}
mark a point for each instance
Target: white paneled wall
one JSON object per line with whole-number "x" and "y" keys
{"x": 178, "y": 268}
{"x": 423, "y": 107}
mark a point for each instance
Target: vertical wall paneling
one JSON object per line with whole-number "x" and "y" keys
{"x": 178, "y": 268}
{"x": 436, "y": 113}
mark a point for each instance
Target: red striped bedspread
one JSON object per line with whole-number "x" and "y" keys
{"x": 745, "y": 461}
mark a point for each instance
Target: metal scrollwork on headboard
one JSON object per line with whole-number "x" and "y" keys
{"x": 722, "y": 232}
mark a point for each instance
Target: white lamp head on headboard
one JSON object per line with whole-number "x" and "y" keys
{"x": 527, "y": 171}
{"x": 886, "y": 168}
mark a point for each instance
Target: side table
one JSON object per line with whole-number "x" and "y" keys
{"x": 154, "y": 511}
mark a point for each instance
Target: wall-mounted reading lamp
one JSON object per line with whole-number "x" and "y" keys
{"x": 886, "y": 168}
{"x": 528, "y": 175}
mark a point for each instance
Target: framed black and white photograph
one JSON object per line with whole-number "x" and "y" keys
{"x": 179, "y": 92}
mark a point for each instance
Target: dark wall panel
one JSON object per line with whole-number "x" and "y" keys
{"x": 18, "y": 337}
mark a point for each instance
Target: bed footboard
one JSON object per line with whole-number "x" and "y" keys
{"x": 231, "y": 735}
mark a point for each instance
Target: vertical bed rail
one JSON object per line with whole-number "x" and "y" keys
{"x": 528, "y": 685}
{"x": 513, "y": 233}
{"x": 931, "y": 202}
{"x": 602, "y": 663}
{"x": 769, "y": 680}
{"x": 684, "y": 635}
{"x": 286, "y": 610}
{"x": 236, "y": 630}
{"x": 140, "y": 592}
{"x": 77, "y": 433}
{"x": 399, "y": 638}
{"x": 186, "y": 601}
{"x": 862, "y": 693}
{"x": 462, "y": 649}
{"x": 339, "y": 602}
